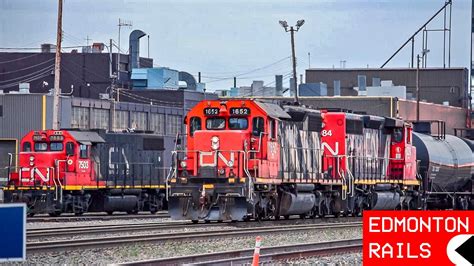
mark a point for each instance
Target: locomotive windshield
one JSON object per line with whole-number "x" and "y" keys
{"x": 41, "y": 146}
{"x": 238, "y": 123}
{"x": 56, "y": 146}
{"x": 215, "y": 123}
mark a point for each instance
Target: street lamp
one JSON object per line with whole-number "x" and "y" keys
{"x": 292, "y": 30}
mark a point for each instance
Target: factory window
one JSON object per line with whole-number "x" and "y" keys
{"x": 194, "y": 125}
{"x": 138, "y": 120}
{"x": 80, "y": 117}
{"x": 157, "y": 123}
{"x": 100, "y": 118}
{"x": 173, "y": 124}
{"x": 121, "y": 120}
{"x": 27, "y": 146}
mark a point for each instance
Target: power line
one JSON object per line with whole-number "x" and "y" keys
{"x": 48, "y": 68}
{"x": 32, "y": 66}
{"x": 18, "y": 59}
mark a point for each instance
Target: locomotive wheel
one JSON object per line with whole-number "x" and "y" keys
{"x": 194, "y": 221}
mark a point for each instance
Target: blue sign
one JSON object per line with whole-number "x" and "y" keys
{"x": 12, "y": 232}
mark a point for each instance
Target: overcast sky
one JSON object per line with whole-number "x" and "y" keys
{"x": 224, "y": 38}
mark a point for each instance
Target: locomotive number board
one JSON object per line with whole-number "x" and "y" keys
{"x": 240, "y": 111}
{"x": 211, "y": 111}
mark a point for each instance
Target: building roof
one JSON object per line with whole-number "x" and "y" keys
{"x": 384, "y": 69}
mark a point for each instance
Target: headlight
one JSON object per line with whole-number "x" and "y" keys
{"x": 183, "y": 164}
{"x": 32, "y": 158}
{"x": 230, "y": 163}
{"x": 215, "y": 143}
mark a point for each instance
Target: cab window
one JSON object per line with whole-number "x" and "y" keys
{"x": 27, "y": 146}
{"x": 272, "y": 128}
{"x": 70, "y": 148}
{"x": 41, "y": 146}
{"x": 195, "y": 124}
{"x": 56, "y": 146}
{"x": 215, "y": 123}
{"x": 257, "y": 126}
{"x": 238, "y": 123}
{"x": 83, "y": 151}
{"x": 397, "y": 135}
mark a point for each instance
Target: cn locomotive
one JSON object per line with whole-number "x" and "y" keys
{"x": 248, "y": 159}
{"x": 74, "y": 171}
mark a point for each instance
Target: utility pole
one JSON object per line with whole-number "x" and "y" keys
{"x": 292, "y": 31}
{"x": 309, "y": 60}
{"x": 57, "y": 68}
{"x": 417, "y": 88}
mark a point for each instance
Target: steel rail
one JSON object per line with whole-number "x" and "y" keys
{"x": 103, "y": 217}
{"x": 267, "y": 254}
{"x": 43, "y": 246}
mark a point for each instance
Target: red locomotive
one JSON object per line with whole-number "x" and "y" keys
{"x": 78, "y": 171}
{"x": 250, "y": 159}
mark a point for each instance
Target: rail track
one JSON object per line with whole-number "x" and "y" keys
{"x": 96, "y": 217}
{"x": 267, "y": 254}
{"x": 99, "y": 242}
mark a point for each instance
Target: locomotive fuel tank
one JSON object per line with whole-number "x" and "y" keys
{"x": 448, "y": 163}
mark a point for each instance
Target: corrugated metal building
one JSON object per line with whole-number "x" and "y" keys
{"x": 437, "y": 85}
{"x": 20, "y": 113}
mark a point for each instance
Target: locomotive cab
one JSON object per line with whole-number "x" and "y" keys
{"x": 228, "y": 142}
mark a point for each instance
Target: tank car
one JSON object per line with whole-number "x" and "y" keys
{"x": 72, "y": 171}
{"x": 446, "y": 163}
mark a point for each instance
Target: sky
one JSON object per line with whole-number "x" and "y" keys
{"x": 224, "y": 38}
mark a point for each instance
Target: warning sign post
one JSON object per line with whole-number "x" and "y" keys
{"x": 414, "y": 237}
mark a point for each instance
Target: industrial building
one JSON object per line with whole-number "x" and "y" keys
{"x": 455, "y": 117}
{"x": 449, "y": 86}
{"x": 20, "y": 113}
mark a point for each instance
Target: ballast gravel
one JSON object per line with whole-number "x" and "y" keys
{"x": 136, "y": 252}
{"x": 339, "y": 260}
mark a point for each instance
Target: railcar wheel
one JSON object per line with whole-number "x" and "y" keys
{"x": 286, "y": 217}
{"x": 194, "y": 221}
{"x": 110, "y": 212}
{"x": 78, "y": 213}
{"x": 132, "y": 212}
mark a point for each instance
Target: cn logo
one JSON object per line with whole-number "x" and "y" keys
{"x": 460, "y": 250}
{"x": 328, "y": 148}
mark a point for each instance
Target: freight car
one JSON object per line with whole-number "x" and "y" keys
{"x": 250, "y": 159}
{"x": 80, "y": 171}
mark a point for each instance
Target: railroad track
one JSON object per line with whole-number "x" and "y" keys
{"x": 44, "y": 246}
{"x": 110, "y": 228}
{"x": 96, "y": 217}
{"x": 267, "y": 254}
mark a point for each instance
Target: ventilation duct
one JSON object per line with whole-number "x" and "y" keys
{"x": 135, "y": 48}
{"x": 189, "y": 79}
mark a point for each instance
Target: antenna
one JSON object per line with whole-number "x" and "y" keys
{"x": 122, "y": 23}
